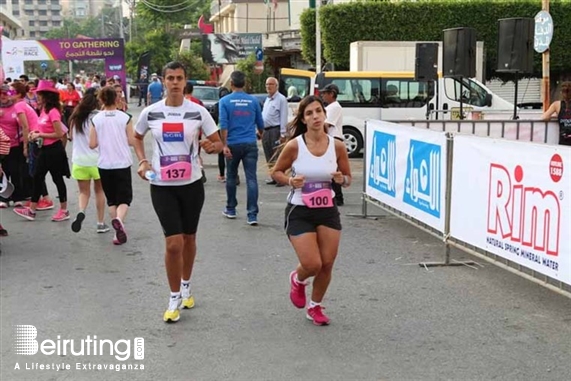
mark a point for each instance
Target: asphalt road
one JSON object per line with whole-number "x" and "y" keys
{"x": 391, "y": 319}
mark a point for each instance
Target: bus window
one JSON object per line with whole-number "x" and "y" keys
{"x": 403, "y": 92}
{"x": 294, "y": 88}
{"x": 362, "y": 91}
{"x": 470, "y": 92}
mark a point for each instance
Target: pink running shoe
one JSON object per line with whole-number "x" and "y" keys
{"x": 297, "y": 291}
{"x": 120, "y": 233}
{"x": 61, "y": 215}
{"x": 115, "y": 240}
{"x": 317, "y": 316}
{"x": 26, "y": 213}
{"x": 44, "y": 204}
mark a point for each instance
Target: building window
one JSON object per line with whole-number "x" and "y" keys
{"x": 55, "y": 13}
{"x": 43, "y": 23}
{"x": 29, "y": 2}
{"x": 42, "y": 2}
{"x": 2, "y": 2}
{"x": 29, "y": 12}
{"x": 32, "y": 34}
{"x": 56, "y": 23}
{"x": 31, "y": 23}
{"x": 16, "y": 13}
{"x": 15, "y": 2}
{"x": 43, "y": 13}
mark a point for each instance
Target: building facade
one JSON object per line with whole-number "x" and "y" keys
{"x": 37, "y": 16}
{"x": 81, "y": 9}
{"x": 10, "y": 22}
{"x": 277, "y": 21}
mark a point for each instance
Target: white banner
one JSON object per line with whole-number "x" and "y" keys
{"x": 406, "y": 169}
{"x": 513, "y": 199}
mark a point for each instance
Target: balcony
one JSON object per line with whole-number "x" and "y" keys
{"x": 216, "y": 6}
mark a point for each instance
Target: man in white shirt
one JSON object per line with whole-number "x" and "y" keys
{"x": 334, "y": 123}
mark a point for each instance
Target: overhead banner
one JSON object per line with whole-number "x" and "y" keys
{"x": 513, "y": 199}
{"x": 229, "y": 48}
{"x": 406, "y": 169}
{"x": 15, "y": 52}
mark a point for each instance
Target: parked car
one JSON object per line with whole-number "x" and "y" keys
{"x": 209, "y": 95}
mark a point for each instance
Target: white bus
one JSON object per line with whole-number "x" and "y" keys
{"x": 392, "y": 96}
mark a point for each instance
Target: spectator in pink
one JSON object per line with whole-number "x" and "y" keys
{"x": 14, "y": 165}
{"x": 52, "y": 157}
{"x": 28, "y": 121}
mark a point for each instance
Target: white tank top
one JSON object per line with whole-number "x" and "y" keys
{"x": 314, "y": 168}
{"x": 82, "y": 155}
{"x": 114, "y": 149}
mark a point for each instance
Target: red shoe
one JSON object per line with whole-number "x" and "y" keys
{"x": 120, "y": 233}
{"x": 44, "y": 204}
{"x": 26, "y": 213}
{"x": 297, "y": 291}
{"x": 61, "y": 215}
{"x": 317, "y": 316}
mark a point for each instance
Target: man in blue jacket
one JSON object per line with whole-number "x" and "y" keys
{"x": 240, "y": 115}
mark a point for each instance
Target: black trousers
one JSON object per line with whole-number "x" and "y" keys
{"x": 52, "y": 159}
{"x": 15, "y": 167}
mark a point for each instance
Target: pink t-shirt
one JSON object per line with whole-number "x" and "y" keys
{"x": 9, "y": 124}
{"x": 46, "y": 124}
{"x": 31, "y": 116}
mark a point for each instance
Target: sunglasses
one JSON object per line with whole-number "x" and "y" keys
{"x": 9, "y": 92}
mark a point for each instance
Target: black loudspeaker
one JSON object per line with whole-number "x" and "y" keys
{"x": 459, "y": 52}
{"x": 515, "y": 45}
{"x": 426, "y": 67}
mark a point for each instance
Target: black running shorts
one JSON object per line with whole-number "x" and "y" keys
{"x": 117, "y": 186}
{"x": 178, "y": 207}
{"x": 301, "y": 219}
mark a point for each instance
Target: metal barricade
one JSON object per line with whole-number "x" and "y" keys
{"x": 511, "y": 130}
{"x": 536, "y": 131}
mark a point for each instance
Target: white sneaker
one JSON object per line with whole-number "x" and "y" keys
{"x": 187, "y": 298}
{"x": 3, "y": 205}
{"x": 172, "y": 314}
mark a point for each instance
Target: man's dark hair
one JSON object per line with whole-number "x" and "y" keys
{"x": 24, "y": 77}
{"x": 238, "y": 79}
{"x": 189, "y": 88}
{"x": 173, "y": 65}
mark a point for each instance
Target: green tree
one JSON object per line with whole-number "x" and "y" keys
{"x": 424, "y": 21}
{"x": 195, "y": 68}
{"x": 255, "y": 83}
{"x": 161, "y": 45}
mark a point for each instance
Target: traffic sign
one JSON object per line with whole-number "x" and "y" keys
{"x": 543, "y": 31}
{"x": 259, "y": 54}
{"x": 44, "y": 65}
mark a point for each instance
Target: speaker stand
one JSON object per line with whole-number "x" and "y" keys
{"x": 516, "y": 80}
{"x": 461, "y": 102}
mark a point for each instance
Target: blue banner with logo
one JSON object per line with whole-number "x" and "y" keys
{"x": 406, "y": 170}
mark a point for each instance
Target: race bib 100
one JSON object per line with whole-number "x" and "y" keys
{"x": 317, "y": 194}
